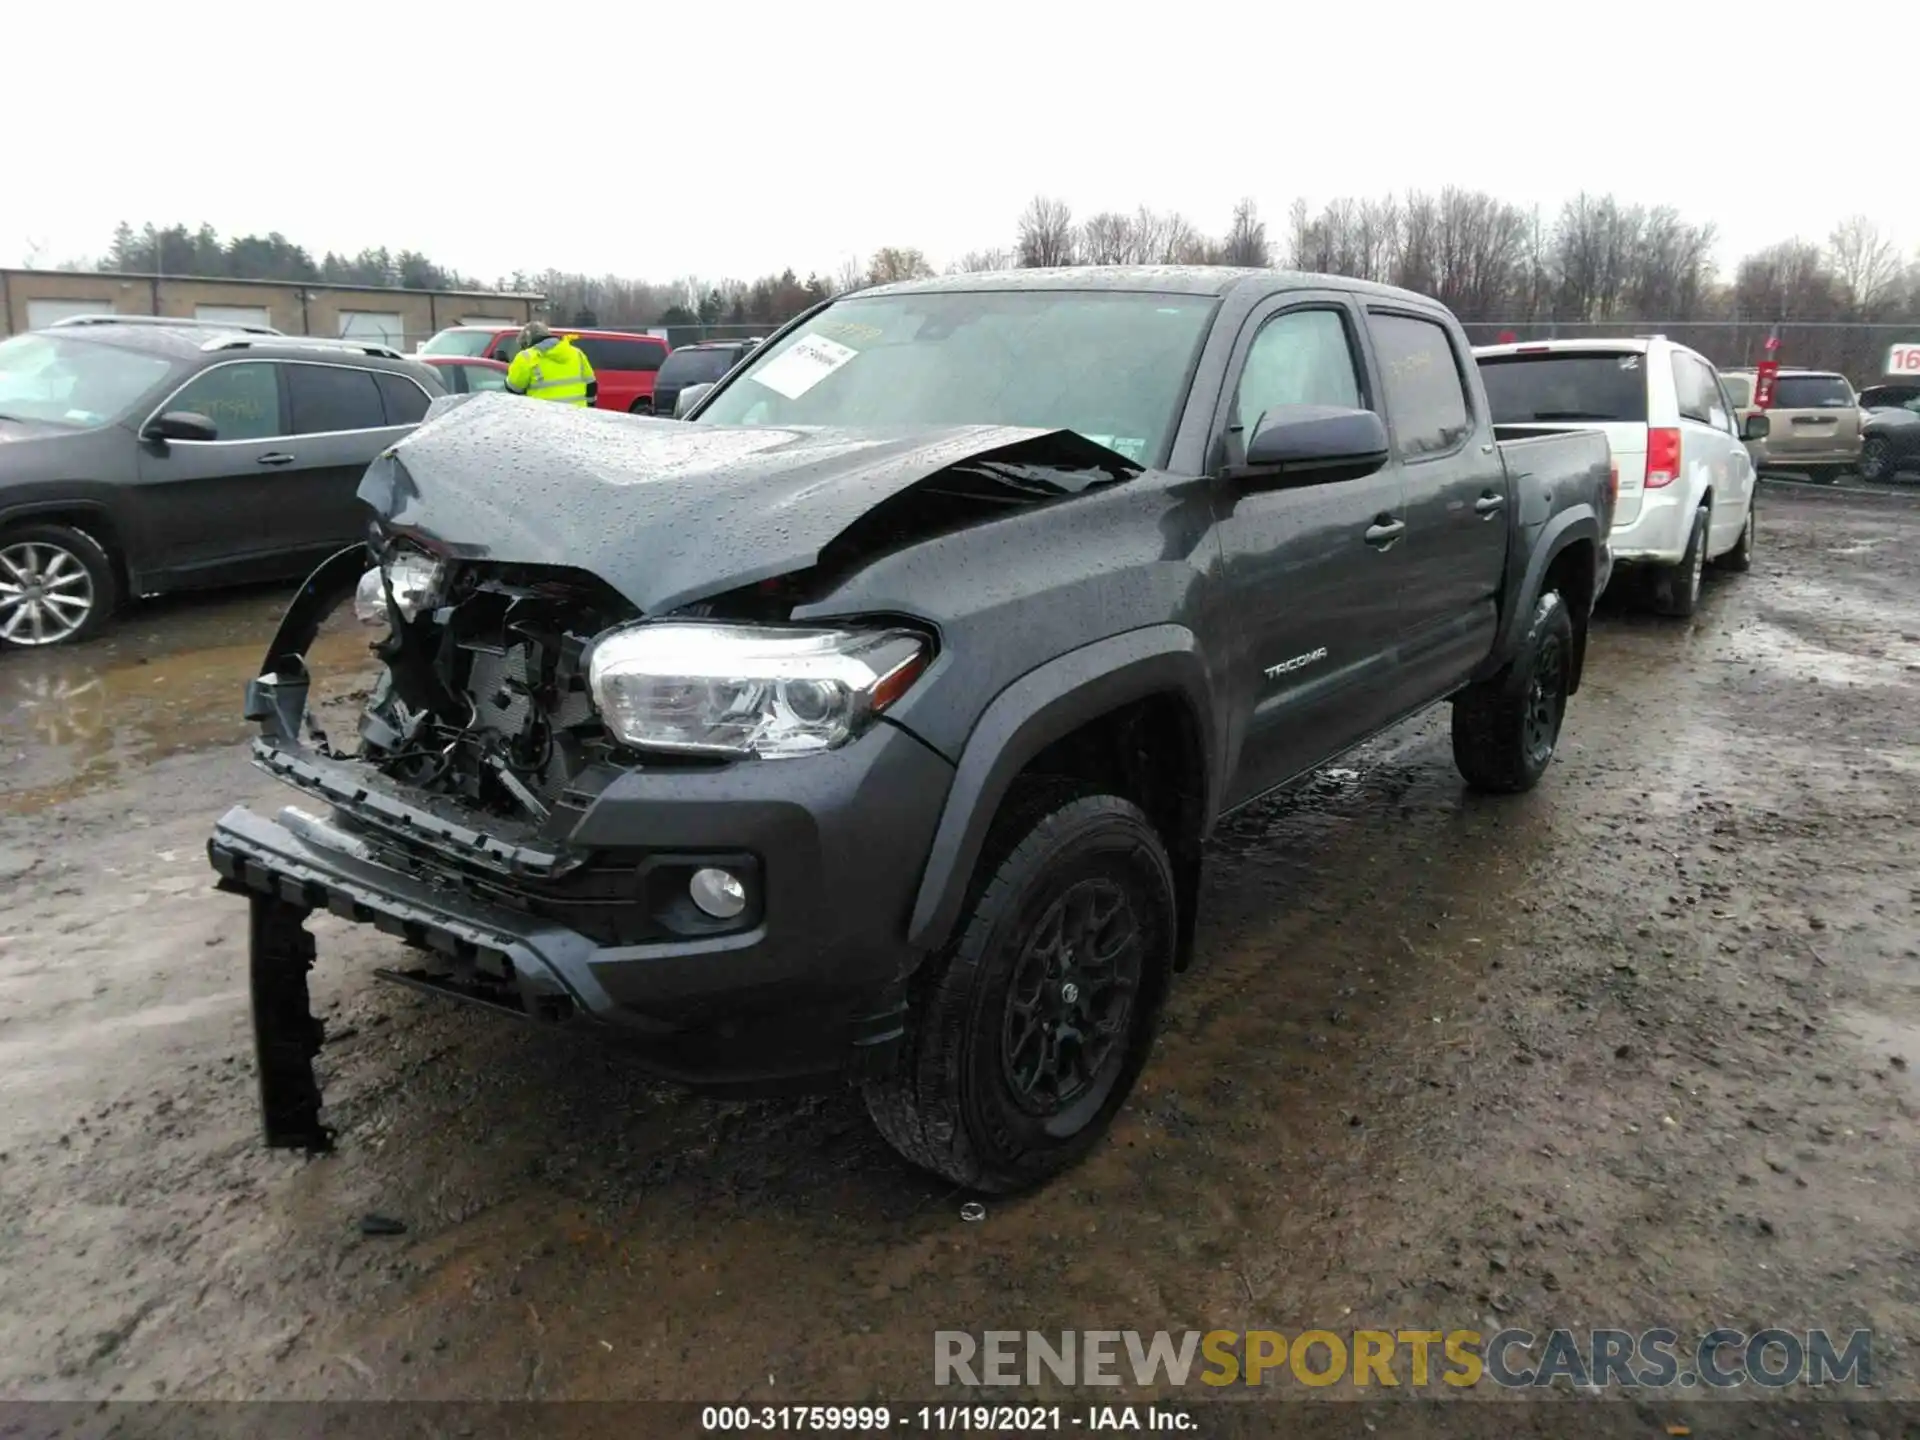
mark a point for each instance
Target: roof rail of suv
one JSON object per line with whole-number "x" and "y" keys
{"x": 314, "y": 342}
{"x": 173, "y": 322}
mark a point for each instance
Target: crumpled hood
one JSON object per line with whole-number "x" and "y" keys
{"x": 667, "y": 512}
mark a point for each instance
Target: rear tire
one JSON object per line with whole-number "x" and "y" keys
{"x": 1506, "y": 728}
{"x": 57, "y": 586}
{"x": 1027, "y": 1032}
{"x": 1876, "y": 460}
{"x": 642, "y": 406}
{"x": 1739, "y": 560}
{"x": 1676, "y": 588}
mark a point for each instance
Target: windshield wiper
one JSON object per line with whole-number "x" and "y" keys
{"x": 1570, "y": 415}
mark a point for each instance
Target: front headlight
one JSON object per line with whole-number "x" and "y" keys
{"x": 742, "y": 690}
{"x": 418, "y": 583}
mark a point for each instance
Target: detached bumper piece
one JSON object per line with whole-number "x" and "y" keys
{"x": 286, "y": 1033}
{"x": 262, "y": 861}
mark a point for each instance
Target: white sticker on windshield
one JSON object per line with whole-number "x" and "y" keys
{"x": 1629, "y": 362}
{"x": 804, "y": 366}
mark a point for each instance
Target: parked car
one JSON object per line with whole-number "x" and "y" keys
{"x": 167, "y": 320}
{"x": 625, "y": 362}
{"x": 1685, "y": 478}
{"x": 1816, "y": 423}
{"x": 699, "y": 364}
{"x": 869, "y": 722}
{"x": 467, "y": 374}
{"x": 1890, "y": 435}
{"x": 141, "y": 459}
{"x": 1895, "y": 395}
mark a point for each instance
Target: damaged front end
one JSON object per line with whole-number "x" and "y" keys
{"x": 576, "y": 786}
{"x": 461, "y": 774}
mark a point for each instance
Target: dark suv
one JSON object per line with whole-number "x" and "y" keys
{"x": 137, "y": 459}
{"x": 702, "y": 363}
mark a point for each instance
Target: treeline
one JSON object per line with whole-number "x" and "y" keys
{"x": 1598, "y": 263}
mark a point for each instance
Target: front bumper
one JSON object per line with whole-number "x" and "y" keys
{"x": 811, "y": 983}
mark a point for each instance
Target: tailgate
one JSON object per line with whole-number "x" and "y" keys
{"x": 1811, "y": 432}
{"x": 1628, "y": 442}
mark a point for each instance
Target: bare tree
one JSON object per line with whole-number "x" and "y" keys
{"x": 977, "y": 260}
{"x": 1418, "y": 265}
{"x": 1788, "y": 281}
{"x": 1866, "y": 266}
{"x": 1377, "y": 238}
{"x": 892, "y": 262}
{"x": 1045, "y": 236}
{"x": 851, "y": 276}
{"x": 1107, "y": 239}
{"x": 1246, "y": 242}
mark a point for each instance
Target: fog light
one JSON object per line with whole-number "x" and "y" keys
{"x": 718, "y": 893}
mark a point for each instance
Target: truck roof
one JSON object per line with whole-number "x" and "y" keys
{"x": 1151, "y": 279}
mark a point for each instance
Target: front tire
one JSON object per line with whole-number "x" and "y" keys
{"x": 1876, "y": 460}
{"x": 1506, "y": 728}
{"x": 56, "y": 586}
{"x": 1027, "y": 1032}
{"x": 1676, "y": 588}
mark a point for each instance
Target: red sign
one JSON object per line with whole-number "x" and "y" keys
{"x": 1507, "y": 337}
{"x": 1764, "y": 376}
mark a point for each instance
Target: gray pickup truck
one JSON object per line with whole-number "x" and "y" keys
{"x": 868, "y": 723}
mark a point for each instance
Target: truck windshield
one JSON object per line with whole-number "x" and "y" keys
{"x": 73, "y": 383}
{"x": 1111, "y": 365}
{"x": 1566, "y": 385}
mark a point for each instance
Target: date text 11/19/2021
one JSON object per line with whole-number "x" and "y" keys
{"x": 942, "y": 1419}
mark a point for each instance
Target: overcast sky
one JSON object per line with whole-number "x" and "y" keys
{"x": 730, "y": 139}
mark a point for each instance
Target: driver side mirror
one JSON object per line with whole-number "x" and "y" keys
{"x": 1311, "y": 444}
{"x": 689, "y": 397}
{"x": 180, "y": 425}
{"x": 1755, "y": 427}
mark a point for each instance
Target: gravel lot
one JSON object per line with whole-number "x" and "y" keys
{"x": 1636, "y": 1049}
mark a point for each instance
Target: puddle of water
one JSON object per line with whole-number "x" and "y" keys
{"x": 1781, "y": 648}
{"x": 73, "y": 720}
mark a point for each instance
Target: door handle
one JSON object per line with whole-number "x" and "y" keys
{"x": 276, "y": 457}
{"x": 1384, "y": 531}
{"x": 1489, "y": 503}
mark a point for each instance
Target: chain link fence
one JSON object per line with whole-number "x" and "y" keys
{"x": 1858, "y": 351}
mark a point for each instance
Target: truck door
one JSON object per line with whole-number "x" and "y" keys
{"x": 1312, "y": 569}
{"x": 1456, "y": 500}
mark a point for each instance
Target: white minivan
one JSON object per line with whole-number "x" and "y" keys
{"x": 1685, "y": 478}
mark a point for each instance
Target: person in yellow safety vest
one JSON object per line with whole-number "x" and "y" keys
{"x": 551, "y": 367}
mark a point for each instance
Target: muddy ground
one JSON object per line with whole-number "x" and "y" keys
{"x": 1636, "y": 1049}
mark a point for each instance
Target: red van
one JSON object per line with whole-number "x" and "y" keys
{"x": 624, "y": 361}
